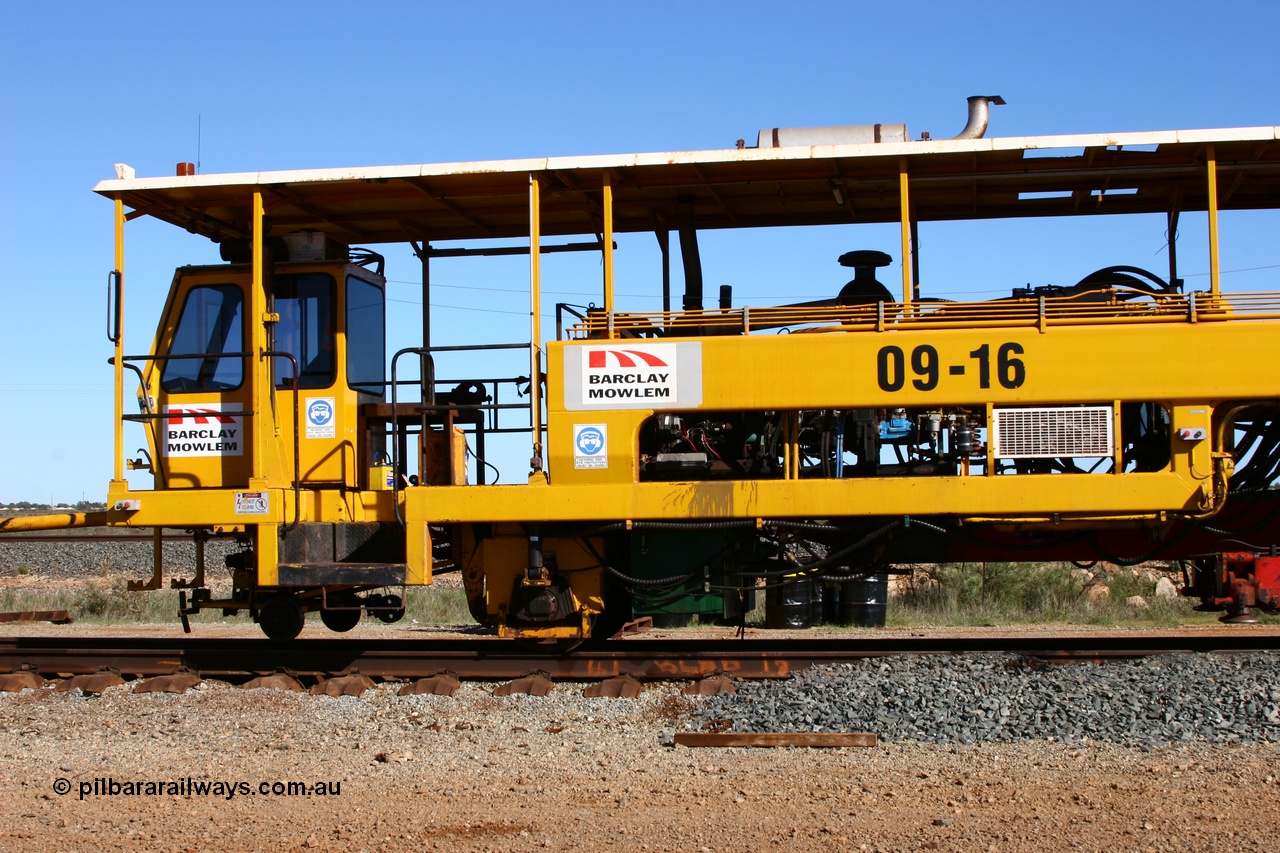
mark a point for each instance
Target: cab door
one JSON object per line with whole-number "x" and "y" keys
{"x": 306, "y": 302}
{"x": 200, "y": 384}
{"x": 331, "y": 321}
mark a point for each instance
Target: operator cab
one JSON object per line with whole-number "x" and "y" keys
{"x": 326, "y": 311}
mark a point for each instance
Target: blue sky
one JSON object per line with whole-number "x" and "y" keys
{"x": 292, "y": 86}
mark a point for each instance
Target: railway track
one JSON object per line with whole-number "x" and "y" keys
{"x": 481, "y": 658}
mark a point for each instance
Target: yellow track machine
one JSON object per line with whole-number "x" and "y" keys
{"x": 683, "y": 459}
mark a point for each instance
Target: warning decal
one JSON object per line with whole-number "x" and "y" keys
{"x": 253, "y": 503}
{"x": 320, "y": 417}
{"x": 590, "y": 446}
{"x": 200, "y": 429}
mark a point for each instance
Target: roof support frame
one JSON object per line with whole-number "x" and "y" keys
{"x": 425, "y": 188}
{"x": 281, "y": 195}
{"x": 536, "y": 475}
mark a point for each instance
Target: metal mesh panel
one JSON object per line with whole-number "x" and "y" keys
{"x": 1076, "y": 431}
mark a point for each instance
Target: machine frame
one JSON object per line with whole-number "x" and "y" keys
{"x": 548, "y": 560}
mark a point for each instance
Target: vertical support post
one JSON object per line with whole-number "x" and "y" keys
{"x": 1118, "y": 460}
{"x": 118, "y": 470}
{"x": 535, "y": 331}
{"x": 425, "y": 257}
{"x": 608, "y": 247}
{"x": 1215, "y": 273}
{"x": 904, "y": 204}
{"x": 915, "y": 259}
{"x": 786, "y": 446}
{"x": 259, "y": 368}
{"x": 664, "y": 243}
{"x": 991, "y": 444}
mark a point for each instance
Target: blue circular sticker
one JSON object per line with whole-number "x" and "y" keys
{"x": 320, "y": 412}
{"x": 590, "y": 441}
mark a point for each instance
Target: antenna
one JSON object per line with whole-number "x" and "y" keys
{"x": 199, "y": 128}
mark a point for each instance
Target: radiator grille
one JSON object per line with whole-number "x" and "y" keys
{"x": 1076, "y": 431}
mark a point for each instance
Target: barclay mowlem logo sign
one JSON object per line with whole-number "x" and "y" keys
{"x": 622, "y": 358}
{"x": 202, "y": 430}
{"x": 633, "y": 376}
{"x": 612, "y": 374}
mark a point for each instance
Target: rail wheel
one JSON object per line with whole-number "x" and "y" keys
{"x": 281, "y": 617}
{"x": 394, "y": 611}
{"x": 340, "y": 621}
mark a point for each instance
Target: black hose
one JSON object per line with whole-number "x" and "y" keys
{"x": 799, "y": 571}
{"x": 649, "y": 582}
{"x": 973, "y": 540}
{"x": 683, "y": 526}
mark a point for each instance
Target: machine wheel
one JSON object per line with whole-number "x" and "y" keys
{"x": 393, "y": 615}
{"x": 281, "y": 617}
{"x": 340, "y": 621}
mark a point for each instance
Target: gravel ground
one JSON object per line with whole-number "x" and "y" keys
{"x": 478, "y": 772}
{"x": 91, "y": 558}
{"x": 976, "y": 753}
{"x": 964, "y": 699}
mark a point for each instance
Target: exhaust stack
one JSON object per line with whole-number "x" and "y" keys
{"x": 979, "y": 116}
{"x": 787, "y": 137}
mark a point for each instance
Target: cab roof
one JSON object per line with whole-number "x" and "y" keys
{"x": 734, "y": 188}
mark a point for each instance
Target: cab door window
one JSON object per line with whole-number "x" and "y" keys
{"x": 305, "y": 330}
{"x": 366, "y": 337}
{"x": 211, "y": 322}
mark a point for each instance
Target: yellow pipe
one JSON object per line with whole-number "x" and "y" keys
{"x": 60, "y": 521}
{"x": 535, "y": 310}
{"x": 1215, "y": 273}
{"x": 259, "y": 369}
{"x": 608, "y": 246}
{"x": 904, "y": 201}
{"x": 118, "y": 470}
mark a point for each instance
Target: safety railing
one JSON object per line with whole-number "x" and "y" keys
{"x": 484, "y": 413}
{"x": 1120, "y": 307}
{"x": 149, "y": 415}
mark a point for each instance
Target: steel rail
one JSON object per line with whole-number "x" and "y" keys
{"x": 662, "y": 659}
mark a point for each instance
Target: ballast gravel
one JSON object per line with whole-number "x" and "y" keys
{"x": 1214, "y": 698}
{"x": 95, "y": 557}
{"x": 563, "y": 772}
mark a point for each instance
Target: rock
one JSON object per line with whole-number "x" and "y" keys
{"x": 1099, "y": 593}
{"x": 1166, "y": 589}
{"x": 1137, "y": 602}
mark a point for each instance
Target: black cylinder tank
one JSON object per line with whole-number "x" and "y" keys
{"x": 864, "y": 602}
{"x": 795, "y": 603}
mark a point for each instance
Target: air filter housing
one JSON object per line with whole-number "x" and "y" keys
{"x": 1058, "y": 432}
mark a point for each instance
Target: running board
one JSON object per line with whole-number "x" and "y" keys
{"x": 344, "y": 574}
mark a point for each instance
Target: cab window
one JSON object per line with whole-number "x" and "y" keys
{"x": 366, "y": 337}
{"x": 306, "y": 329}
{"x": 211, "y": 322}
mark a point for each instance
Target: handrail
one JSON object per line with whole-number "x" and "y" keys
{"x": 426, "y": 378}
{"x": 297, "y": 464}
{"x": 1035, "y": 311}
{"x": 149, "y": 415}
{"x": 115, "y": 297}
{"x": 563, "y": 308}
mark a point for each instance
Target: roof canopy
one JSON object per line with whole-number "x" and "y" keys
{"x": 949, "y": 180}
